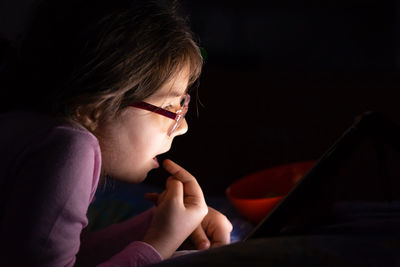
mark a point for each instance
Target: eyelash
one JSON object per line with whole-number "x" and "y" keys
{"x": 168, "y": 107}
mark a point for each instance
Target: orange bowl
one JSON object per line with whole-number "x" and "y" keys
{"x": 255, "y": 195}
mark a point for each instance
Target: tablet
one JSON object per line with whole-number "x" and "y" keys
{"x": 360, "y": 168}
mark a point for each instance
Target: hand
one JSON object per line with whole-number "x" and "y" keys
{"x": 180, "y": 209}
{"x": 214, "y": 231}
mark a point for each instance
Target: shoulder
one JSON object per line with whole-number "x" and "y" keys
{"x": 73, "y": 147}
{"x": 48, "y": 147}
{"x": 72, "y": 138}
{"x": 52, "y": 168}
{"x": 31, "y": 130}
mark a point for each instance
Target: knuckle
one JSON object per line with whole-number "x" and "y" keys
{"x": 230, "y": 226}
{"x": 204, "y": 210}
{"x": 227, "y": 223}
{"x": 182, "y": 174}
{"x": 174, "y": 182}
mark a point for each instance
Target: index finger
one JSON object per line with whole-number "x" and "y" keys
{"x": 191, "y": 187}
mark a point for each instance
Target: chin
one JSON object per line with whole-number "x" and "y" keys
{"x": 140, "y": 179}
{"x": 135, "y": 176}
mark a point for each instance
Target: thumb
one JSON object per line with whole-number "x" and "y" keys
{"x": 200, "y": 239}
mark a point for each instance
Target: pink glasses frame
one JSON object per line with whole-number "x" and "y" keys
{"x": 176, "y": 116}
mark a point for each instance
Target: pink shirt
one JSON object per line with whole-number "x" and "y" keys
{"x": 49, "y": 172}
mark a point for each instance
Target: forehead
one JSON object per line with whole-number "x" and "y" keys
{"x": 175, "y": 87}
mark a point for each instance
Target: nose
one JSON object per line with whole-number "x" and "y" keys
{"x": 182, "y": 128}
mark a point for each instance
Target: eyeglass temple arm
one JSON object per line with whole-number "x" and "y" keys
{"x": 155, "y": 109}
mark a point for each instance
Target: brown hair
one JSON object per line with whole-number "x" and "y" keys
{"x": 87, "y": 60}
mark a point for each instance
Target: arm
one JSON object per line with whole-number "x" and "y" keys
{"x": 99, "y": 246}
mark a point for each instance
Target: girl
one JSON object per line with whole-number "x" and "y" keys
{"x": 102, "y": 90}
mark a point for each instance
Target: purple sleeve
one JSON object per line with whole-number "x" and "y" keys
{"x": 121, "y": 242}
{"x": 134, "y": 255}
{"x": 54, "y": 182}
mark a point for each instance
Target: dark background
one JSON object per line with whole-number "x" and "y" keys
{"x": 281, "y": 82}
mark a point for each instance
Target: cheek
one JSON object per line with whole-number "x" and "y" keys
{"x": 138, "y": 137}
{"x": 132, "y": 145}
{"x": 163, "y": 124}
{"x": 148, "y": 136}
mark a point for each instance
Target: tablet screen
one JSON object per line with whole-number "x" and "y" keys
{"x": 358, "y": 171}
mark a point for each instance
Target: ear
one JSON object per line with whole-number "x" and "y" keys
{"x": 87, "y": 117}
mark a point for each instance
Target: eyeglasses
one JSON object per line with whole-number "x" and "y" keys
{"x": 177, "y": 117}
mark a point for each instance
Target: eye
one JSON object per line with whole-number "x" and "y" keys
{"x": 168, "y": 107}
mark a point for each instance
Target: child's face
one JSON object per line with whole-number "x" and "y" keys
{"x": 131, "y": 142}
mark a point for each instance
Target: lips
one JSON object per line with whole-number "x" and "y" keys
{"x": 155, "y": 157}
